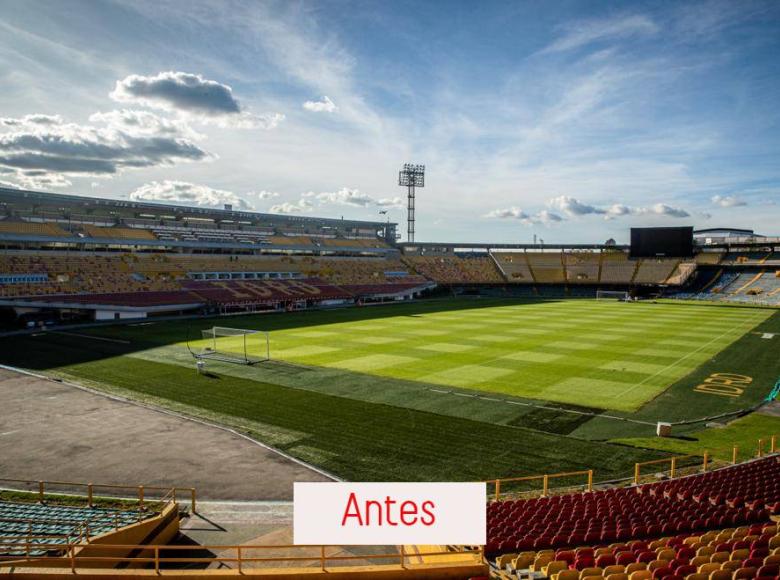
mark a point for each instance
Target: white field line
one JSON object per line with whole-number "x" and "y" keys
{"x": 752, "y": 321}
{"x": 90, "y": 336}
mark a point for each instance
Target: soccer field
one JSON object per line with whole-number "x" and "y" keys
{"x": 604, "y": 354}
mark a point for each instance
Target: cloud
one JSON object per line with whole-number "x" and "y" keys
{"x": 572, "y": 206}
{"x": 728, "y": 201}
{"x": 352, "y": 197}
{"x": 31, "y": 121}
{"x": 543, "y": 217}
{"x": 664, "y": 210}
{"x": 191, "y": 95}
{"x": 325, "y": 105}
{"x": 143, "y": 123}
{"x": 507, "y": 213}
{"x": 263, "y": 194}
{"x": 70, "y": 148}
{"x": 188, "y": 193}
{"x": 393, "y": 202}
{"x": 302, "y": 205}
{"x": 584, "y": 32}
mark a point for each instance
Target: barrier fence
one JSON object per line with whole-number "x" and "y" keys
{"x": 675, "y": 466}
{"x": 139, "y": 493}
{"x": 151, "y": 555}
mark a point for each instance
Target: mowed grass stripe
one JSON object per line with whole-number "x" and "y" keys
{"x": 646, "y": 346}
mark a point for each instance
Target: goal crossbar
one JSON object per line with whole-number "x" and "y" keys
{"x": 235, "y": 345}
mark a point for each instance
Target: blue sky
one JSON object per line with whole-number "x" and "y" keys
{"x": 569, "y": 120}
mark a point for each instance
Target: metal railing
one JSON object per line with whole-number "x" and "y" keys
{"x": 546, "y": 478}
{"x": 139, "y": 493}
{"x": 679, "y": 465}
{"x": 151, "y": 555}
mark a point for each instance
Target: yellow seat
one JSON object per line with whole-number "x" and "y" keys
{"x": 658, "y": 543}
{"x": 721, "y": 575}
{"x": 554, "y": 567}
{"x": 774, "y": 542}
{"x": 772, "y": 559}
{"x": 691, "y": 540}
{"x": 593, "y": 572}
{"x": 720, "y": 557}
{"x": 745, "y": 573}
{"x": 655, "y": 564}
{"x": 705, "y": 551}
{"x": 699, "y": 560}
{"x": 636, "y": 567}
{"x": 541, "y": 561}
{"x": 566, "y": 575}
{"x": 667, "y": 554}
{"x": 616, "y": 577}
{"x": 697, "y": 576}
{"x": 523, "y": 561}
{"x": 504, "y": 559}
{"x": 640, "y": 575}
{"x": 708, "y": 568}
{"x": 741, "y": 554}
{"x": 731, "y": 565}
{"x": 614, "y": 569}
{"x": 602, "y": 552}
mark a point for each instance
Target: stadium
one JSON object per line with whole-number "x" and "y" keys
{"x": 169, "y": 371}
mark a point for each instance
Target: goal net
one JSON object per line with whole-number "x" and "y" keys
{"x": 235, "y": 345}
{"x": 611, "y": 295}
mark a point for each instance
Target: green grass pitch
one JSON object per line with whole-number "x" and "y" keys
{"x": 442, "y": 389}
{"x": 604, "y": 354}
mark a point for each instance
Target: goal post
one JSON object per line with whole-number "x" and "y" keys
{"x": 612, "y": 295}
{"x": 236, "y": 345}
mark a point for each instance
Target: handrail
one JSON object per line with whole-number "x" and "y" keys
{"x": 545, "y": 480}
{"x": 707, "y": 463}
{"x": 240, "y": 558}
{"x": 140, "y": 490}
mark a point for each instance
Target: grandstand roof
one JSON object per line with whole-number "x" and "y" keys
{"x": 22, "y": 196}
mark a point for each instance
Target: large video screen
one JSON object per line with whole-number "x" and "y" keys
{"x": 662, "y": 242}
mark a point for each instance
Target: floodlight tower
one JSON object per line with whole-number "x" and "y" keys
{"x": 411, "y": 176}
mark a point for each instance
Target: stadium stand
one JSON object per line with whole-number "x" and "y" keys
{"x": 456, "y": 269}
{"x": 655, "y": 271}
{"x": 616, "y": 268}
{"x": 547, "y": 267}
{"x": 514, "y": 266}
{"x": 728, "y": 554}
{"x": 31, "y": 228}
{"x": 55, "y": 525}
{"x": 582, "y": 267}
{"x": 118, "y": 233}
{"x": 748, "y": 493}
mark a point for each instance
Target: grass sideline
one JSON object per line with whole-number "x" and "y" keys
{"x": 719, "y": 442}
{"x": 70, "y": 500}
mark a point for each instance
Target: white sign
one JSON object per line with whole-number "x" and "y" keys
{"x": 389, "y": 513}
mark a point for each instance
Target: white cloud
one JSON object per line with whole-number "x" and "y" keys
{"x": 507, "y": 213}
{"x": 302, "y": 205}
{"x": 584, "y": 32}
{"x": 728, "y": 201}
{"x": 193, "y": 96}
{"x": 189, "y": 193}
{"x": 325, "y": 105}
{"x": 31, "y": 121}
{"x": 44, "y": 148}
{"x": 665, "y": 210}
{"x": 263, "y": 194}
{"x": 573, "y": 207}
{"x": 352, "y": 197}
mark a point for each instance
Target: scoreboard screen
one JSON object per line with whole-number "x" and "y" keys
{"x": 674, "y": 242}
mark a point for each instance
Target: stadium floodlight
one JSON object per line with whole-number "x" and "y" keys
{"x": 411, "y": 176}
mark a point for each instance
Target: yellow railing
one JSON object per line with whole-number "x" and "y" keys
{"x": 498, "y": 483}
{"x": 673, "y": 464}
{"x": 676, "y": 467}
{"x": 139, "y": 493}
{"x": 146, "y": 554}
